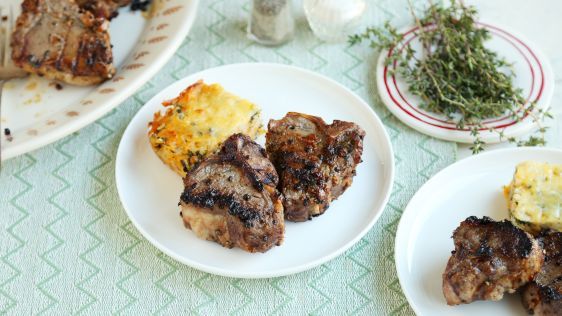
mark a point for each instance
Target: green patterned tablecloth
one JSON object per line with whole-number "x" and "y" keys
{"x": 67, "y": 247}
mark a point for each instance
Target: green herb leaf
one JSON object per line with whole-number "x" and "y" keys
{"x": 455, "y": 74}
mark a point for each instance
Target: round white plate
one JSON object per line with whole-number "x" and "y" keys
{"x": 37, "y": 113}
{"x": 150, "y": 191}
{"x": 472, "y": 186}
{"x": 533, "y": 75}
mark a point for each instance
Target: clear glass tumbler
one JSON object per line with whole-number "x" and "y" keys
{"x": 334, "y": 20}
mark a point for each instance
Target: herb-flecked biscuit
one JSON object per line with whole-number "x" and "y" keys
{"x": 197, "y": 122}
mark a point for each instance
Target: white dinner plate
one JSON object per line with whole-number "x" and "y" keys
{"x": 37, "y": 113}
{"x": 533, "y": 74}
{"x": 472, "y": 186}
{"x": 150, "y": 191}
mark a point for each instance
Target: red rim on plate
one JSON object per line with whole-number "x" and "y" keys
{"x": 539, "y": 90}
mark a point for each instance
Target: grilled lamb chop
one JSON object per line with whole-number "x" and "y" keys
{"x": 490, "y": 258}
{"x": 231, "y": 198}
{"x": 543, "y": 296}
{"x": 56, "y": 39}
{"x": 316, "y": 162}
{"x": 103, "y": 8}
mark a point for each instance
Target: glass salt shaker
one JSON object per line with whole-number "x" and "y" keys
{"x": 334, "y": 20}
{"x": 272, "y": 22}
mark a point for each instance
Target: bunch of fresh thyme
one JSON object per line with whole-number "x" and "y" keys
{"x": 454, "y": 74}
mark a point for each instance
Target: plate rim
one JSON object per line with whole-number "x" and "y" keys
{"x": 137, "y": 82}
{"x": 407, "y": 218}
{"x": 464, "y": 137}
{"x": 388, "y": 184}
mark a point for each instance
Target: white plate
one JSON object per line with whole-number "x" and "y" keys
{"x": 37, "y": 114}
{"x": 533, "y": 75}
{"x": 472, "y": 186}
{"x": 150, "y": 191}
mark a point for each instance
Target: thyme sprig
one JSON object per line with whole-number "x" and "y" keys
{"x": 455, "y": 74}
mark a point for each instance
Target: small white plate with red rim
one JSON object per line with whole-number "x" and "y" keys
{"x": 533, "y": 74}
{"x": 150, "y": 191}
{"x": 470, "y": 187}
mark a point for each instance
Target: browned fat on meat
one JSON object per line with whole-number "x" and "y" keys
{"x": 490, "y": 259}
{"x": 58, "y": 40}
{"x": 316, "y": 161}
{"x": 543, "y": 296}
{"x": 103, "y": 8}
{"x": 231, "y": 198}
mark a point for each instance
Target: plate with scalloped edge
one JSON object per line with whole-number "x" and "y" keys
{"x": 470, "y": 187}
{"x": 150, "y": 191}
{"x": 38, "y": 111}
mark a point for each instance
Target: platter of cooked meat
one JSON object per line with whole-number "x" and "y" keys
{"x": 254, "y": 170}
{"x": 69, "y": 62}
{"x": 484, "y": 236}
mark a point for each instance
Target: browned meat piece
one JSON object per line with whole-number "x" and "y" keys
{"x": 231, "y": 198}
{"x": 490, "y": 258}
{"x": 544, "y": 295}
{"x": 103, "y": 8}
{"x": 316, "y": 162}
{"x": 56, "y": 39}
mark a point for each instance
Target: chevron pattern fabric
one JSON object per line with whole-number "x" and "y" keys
{"x": 67, "y": 246}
